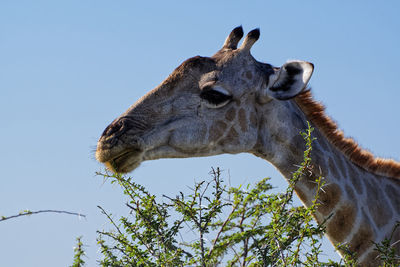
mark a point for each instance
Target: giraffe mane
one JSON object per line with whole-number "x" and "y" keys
{"x": 315, "y": 112}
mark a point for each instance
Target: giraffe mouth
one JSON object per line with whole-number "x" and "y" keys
{"x": 125, "y": 162}
{"x": 119, "y": 156}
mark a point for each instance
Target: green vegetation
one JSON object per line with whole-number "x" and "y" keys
{"x": 79, "y": 254}
{"x": 218, "y": 225}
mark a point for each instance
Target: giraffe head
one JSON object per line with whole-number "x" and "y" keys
{"x": 207, "y": 106}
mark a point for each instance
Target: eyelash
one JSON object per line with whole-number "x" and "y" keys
{"x": 214, "y": 97}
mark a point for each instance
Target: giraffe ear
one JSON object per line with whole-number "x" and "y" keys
{"x": 289, "y": 80}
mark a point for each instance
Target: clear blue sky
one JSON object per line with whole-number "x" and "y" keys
{"x": 68, "y": 68}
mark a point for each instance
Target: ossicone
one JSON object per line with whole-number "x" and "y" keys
{"x": 233, "y": 39}
{"x": 250, "y": 39}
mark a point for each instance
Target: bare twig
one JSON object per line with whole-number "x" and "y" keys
{"x": 28, "y": 212}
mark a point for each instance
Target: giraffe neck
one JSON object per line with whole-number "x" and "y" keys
{"x": 359, "y": 207}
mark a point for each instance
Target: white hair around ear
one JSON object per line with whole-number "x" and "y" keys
{"x": 289, "y": 80}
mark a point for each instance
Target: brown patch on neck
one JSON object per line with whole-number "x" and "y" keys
{"x": 372, "y": 260}
{"x": 301, "y": 194}
{"x": 329, "y": 196}
{"x": 393, "y": 196}
{"x": 339, "y": 227}
{"x": 377, "y": 204}
{"x": 315, "y": 112}
{"x": 362, "y": 240}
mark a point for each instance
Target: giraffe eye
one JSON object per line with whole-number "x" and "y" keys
{"x": 215, "y": 96}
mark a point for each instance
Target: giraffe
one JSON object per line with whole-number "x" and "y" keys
{"x": 232, "y": 103}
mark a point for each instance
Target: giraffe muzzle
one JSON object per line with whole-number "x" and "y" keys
{"x": 120, "y": 154}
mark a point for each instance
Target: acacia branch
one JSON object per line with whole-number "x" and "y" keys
{"x": 222, "y": 228}
{"x": 28, "y": 212}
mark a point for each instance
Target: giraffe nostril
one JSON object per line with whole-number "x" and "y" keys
{"x": 118, "y": 128}
{"x": 111, "y": 129}
{"x": 115, "y": 129}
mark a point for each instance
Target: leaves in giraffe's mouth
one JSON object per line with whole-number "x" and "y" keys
{"x": 124, "y": 162}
